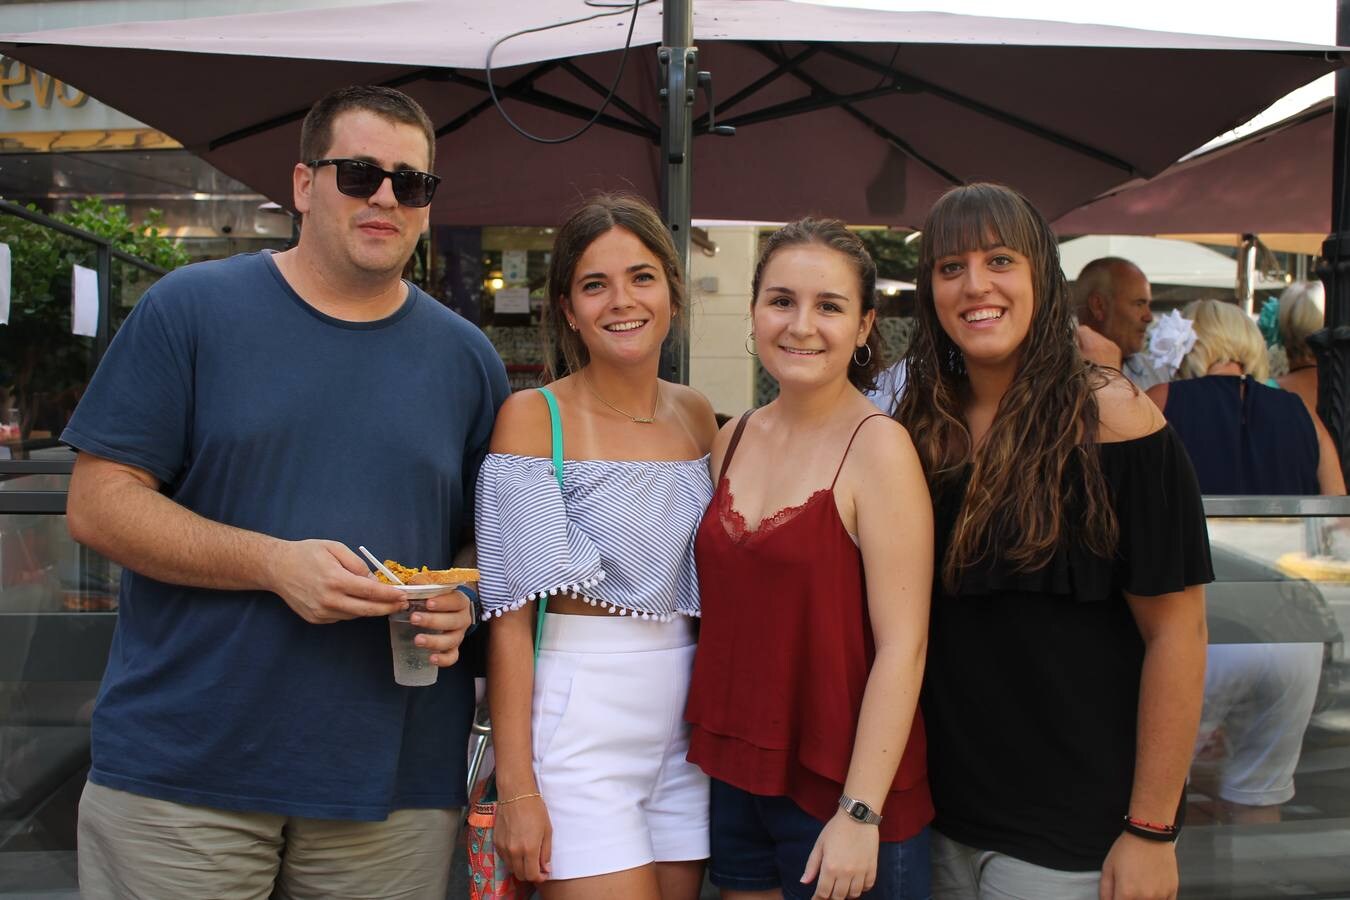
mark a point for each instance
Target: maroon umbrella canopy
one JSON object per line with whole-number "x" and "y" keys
{"x": 865, "y": 115}
{"x": 1275, "y": 180}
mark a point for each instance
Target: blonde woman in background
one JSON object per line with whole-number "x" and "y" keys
{"x": 1300, "y": 315}
{"x": 1246, "y": 438}
{"x": 1243, "y": 437}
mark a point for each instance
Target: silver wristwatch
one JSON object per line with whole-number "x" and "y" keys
{"x": 859, "y": 811}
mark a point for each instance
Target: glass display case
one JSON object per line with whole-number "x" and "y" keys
{"x": 1268, "y": 813}
{"x": 57, "y": 611}
{"x": 1268, "y": 809}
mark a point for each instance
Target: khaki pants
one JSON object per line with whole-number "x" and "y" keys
{"x": 137, "y": 847}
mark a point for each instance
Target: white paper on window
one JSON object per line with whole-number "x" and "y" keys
{"x": 4, "y": 284}
{"x": 84, "y": 301}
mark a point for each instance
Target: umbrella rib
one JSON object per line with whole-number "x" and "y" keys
{"x": 1017, "y": 122}
{"x": 843, "y": 103}
{"x": 554, "y": 103}
{"x": 484, "y": 105}
{"x": 635, "y": 114}
{"x": 781, "y": 68}
{"x": 819, "y": 99}
{"x": 296, "y": 115}
{"x": 901, "y": 144}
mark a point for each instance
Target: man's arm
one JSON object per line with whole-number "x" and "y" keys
{"x": 118, "y": 511}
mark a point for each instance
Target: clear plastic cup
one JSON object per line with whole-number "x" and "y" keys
{"x": 412, "y": 664}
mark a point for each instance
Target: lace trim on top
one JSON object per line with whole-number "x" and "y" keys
{"x": 735, "y": 525}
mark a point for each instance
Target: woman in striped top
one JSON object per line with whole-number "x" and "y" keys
{"x": 597, "y": 798}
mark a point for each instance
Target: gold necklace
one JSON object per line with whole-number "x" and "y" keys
{"x": 640, "y": 420}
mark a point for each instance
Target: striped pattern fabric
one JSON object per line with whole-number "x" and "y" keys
{"x": 620, "y": 534}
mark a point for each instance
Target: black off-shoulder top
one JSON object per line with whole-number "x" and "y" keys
{"x": 1032, "y": 688}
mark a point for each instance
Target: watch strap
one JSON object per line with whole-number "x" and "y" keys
{"x": 859, "y": 811}
{"x": 474, "y": 615}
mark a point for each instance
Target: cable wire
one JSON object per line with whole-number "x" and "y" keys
{"x": 623, "y": 59}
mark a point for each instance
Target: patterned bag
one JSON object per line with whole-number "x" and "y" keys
{"x": 490, "y": 877}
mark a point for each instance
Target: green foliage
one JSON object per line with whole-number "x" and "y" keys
{"x": 40, "y": 360}
{"x": 146, "y": 240}
{"x": 895, "y": 258}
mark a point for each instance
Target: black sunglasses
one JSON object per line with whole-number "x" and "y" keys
{"x": 362, "y": 179}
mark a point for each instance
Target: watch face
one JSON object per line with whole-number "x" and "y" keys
{"x": 858, "y": 811}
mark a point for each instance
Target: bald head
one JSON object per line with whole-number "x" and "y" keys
{"x": 1113, "y": 298}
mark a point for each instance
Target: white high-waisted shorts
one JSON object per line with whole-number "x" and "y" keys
{"x": 610, "y": 743}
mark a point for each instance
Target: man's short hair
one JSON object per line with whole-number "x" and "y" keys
{"x": 316, "y": 134}
{"x": 1098, "y": 277}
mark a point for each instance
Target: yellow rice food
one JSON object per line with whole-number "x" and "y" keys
{"x": 428, "y": 576}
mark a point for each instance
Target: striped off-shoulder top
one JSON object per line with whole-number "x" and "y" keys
{"x": 618, "y": 533}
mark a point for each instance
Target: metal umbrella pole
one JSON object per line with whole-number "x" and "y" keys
{"x": 680, "y": 81}
{"x": 1332, "y": 344}
{"x": 678, "y": 60}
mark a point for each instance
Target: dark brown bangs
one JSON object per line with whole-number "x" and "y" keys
{"x": 975, "y": 219}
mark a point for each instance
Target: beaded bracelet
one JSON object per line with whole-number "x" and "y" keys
{"x": 1150, "y": 831}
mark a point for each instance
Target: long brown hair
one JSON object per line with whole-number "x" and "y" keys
{"x": 1038, "y": 465}
{"x": 597, "y": 216}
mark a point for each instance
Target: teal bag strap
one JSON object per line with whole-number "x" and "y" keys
{"x": 555, "y": 426}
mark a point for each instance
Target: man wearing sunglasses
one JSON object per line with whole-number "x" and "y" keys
{"x": 254, "y": 420}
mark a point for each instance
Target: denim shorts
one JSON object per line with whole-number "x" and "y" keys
{"x": 762, "y": 844}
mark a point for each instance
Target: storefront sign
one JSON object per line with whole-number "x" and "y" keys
{"x": 22, "y": 86}
{"x": 33, "y": 101}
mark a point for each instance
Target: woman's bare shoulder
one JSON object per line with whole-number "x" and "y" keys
{"x": 696, "y": 411}
{"x": 1124, "y": 412}
{"x": 522, "y": 426}
{"x": 690, "y": 401}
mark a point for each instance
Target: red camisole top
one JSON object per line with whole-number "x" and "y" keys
{"x": 784, "y": 651}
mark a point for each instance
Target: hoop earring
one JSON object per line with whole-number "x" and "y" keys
{"x": 862, "y": 362}
{"x": 750, "y": 345}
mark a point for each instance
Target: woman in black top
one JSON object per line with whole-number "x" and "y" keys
{"x": 1066, "y": 657}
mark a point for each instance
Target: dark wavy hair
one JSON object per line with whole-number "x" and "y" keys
{"x": 596, "y": 216}
{"x": 1037, "y": 469}
{"x": 834, "y": 234}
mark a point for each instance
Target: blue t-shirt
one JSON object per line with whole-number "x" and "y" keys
{"x": 254, "y": 409}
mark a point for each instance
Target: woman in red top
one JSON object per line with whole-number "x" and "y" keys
{"x": 815, "y": 567}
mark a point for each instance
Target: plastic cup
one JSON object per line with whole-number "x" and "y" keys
{"x": 412, "y": 664}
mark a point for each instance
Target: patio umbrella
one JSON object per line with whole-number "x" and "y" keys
{"x": 1275, "y": 180}
{"x": 864, "y": 114}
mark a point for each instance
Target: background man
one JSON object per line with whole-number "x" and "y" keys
{"x": 254, "y": 419}
{"x": 1113, "y": 298}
